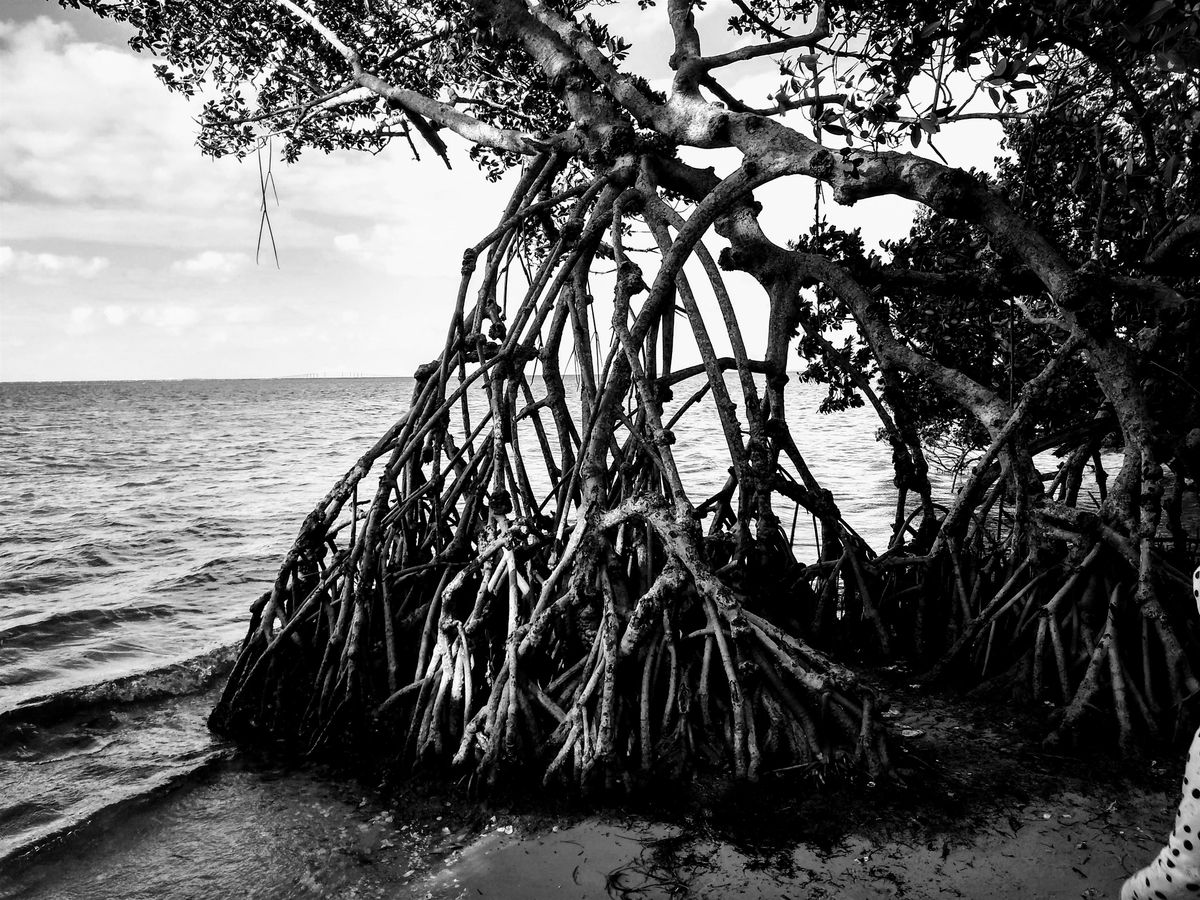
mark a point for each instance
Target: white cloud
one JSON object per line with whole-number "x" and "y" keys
{"x": 116, "y": 315}
{"x": 211, "y": 264}
{"x": 42, "y": 58}
{"x": 81, "y": 319}
{"x": 172, "y": 319}
{"x": 43, "y": 267}
{"x": 124, "y": 152}
{"x": 41, "y": 32}
{"x": 383, "y": 247}
{"x": 242, "y": 315}
{"x": 115, "y": 169}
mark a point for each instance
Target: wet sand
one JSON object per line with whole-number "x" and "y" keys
{"x": 251, "y": 834}
{"x": 986, "y": 814}
{"x": 1067, "y": 847}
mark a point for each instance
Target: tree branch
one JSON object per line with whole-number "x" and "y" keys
{"x": 783, "y": 106}
{"x": 468, "y": 127}
{"x": 683, "y": 26}
{"x": 574, "y": 46}
{"x": 819, "y": 32}
{"x": 758, "y": 20}
{"x": 1178, "y": 238}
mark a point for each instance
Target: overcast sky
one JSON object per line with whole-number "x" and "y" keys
{"x": 125, "y": 254}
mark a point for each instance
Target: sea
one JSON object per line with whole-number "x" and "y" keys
{"x": 138, "y": 522}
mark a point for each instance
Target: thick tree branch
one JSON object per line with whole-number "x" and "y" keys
{"x": 683, "y": 27}
{"x": 754, "y": 252}
{"x": 558, "y": 45}
{"x": 1179, "y": 238}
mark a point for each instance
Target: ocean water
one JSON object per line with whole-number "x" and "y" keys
{"x": 139, "y": 519}
{"x": 138, "y": 522}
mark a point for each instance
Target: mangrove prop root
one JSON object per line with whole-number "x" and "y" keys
{"x": 529, "y": 588}
{"x": 1072, "y": 633}
{"x": 528, "y": 591}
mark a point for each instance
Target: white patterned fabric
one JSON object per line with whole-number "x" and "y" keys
{"x": 1175, "y": 872}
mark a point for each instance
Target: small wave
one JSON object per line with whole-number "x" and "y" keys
{"x": 195, "y": 578}
{"x": 151, "y": 482}
{"x": 88, "y": 555}
{"x": 57, "y": 627}
{"x": 40, "y": 583}
{"x": 189, "y": 676}
{"x": 31, "y": 538}
{"x": 62, "y": 748}
{"x": 211, "y": 528}
{"x": 225, "y": 570}
{"x": 54, "y": 828}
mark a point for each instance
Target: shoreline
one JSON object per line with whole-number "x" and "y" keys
{"x": 985, "y": 814}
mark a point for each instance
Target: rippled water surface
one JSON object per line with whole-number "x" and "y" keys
{"x": 140, "y": 519}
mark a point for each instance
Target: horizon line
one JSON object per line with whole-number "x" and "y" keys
{"x": 182, "y": 378}
{"x": 307, "y": 377}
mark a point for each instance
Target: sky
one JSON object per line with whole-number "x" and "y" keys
{"x": 126, "y": 254}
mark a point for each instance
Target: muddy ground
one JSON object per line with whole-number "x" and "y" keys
{"x": 984, "y": 812}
